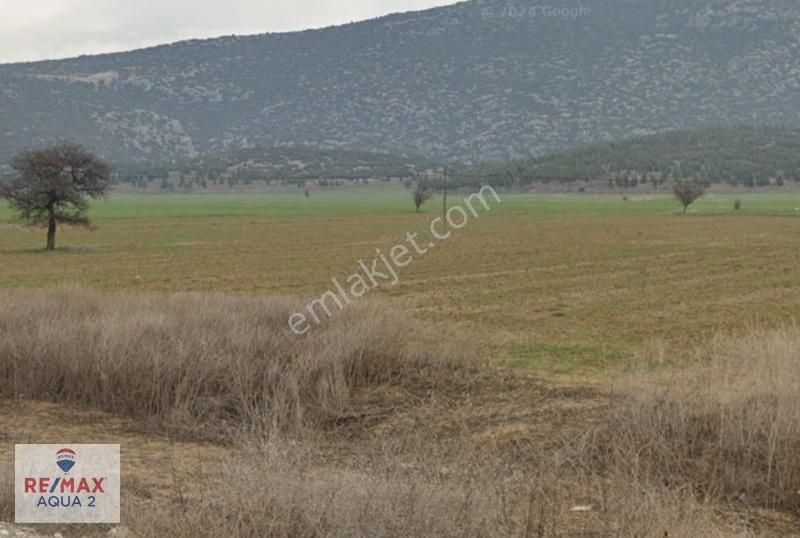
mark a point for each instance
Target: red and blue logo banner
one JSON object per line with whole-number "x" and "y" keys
{"x": 67, "y": 483}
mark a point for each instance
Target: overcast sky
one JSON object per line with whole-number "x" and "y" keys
{"x": 45, "y": 29}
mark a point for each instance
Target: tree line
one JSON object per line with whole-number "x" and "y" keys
{"x": 739, "y": 156}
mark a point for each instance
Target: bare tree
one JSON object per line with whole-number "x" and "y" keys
{"x": 422, "y": 193}
{"x": 687, "y": 193}
{"x": 53, "y": 186}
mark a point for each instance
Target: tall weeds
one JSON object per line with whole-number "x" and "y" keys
{"x": 726, "y": 426}
{"x": 674, "y": 446}
{"x": 206, "y": 360}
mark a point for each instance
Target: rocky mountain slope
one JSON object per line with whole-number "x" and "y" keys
{"x": 479, "y": 80}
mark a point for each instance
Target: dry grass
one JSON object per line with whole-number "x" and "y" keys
{"x": 6, "y": 493}
{"x": 283, "y": 491}
{"x": 725, "y": 427}
{"x": 673, "y": 454}
{"x": 204, "y": 361}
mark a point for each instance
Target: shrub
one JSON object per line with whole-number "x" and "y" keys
{"x": 279, "y": 490}
{"x": 727, "y": 428}
{"x": 207, "y": 360}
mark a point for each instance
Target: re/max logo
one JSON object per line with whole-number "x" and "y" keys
{"x": 64, "y": 485}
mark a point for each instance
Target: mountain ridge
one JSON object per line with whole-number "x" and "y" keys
{"x": 474, "y": 81}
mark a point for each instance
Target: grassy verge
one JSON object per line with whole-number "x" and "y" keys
{"x": 688, "y": 453}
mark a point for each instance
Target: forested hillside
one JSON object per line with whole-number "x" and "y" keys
{"x": 748, "y": 156}
{"x": 285, "y": 164}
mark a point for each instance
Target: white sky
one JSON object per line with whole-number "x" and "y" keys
{"x": 47, "y": 29}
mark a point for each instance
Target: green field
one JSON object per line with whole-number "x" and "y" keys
{"x": 379, "y": 200}
{"x": 566, "y": 283}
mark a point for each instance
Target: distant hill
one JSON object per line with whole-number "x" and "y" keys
{"x": 287, "y": 164}
{"x": 749, "y": 156}
{"x": 479, "y": 80}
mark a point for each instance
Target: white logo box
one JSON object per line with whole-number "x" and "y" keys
{"x": 67, "y": 483}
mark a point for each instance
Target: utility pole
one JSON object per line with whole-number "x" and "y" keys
{"x": 444, "y": 199}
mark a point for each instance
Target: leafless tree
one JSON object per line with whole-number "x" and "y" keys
{"x": 53, "y": 186}
{"x": 687, "y": 192}
{"x": 422, "y": 193}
